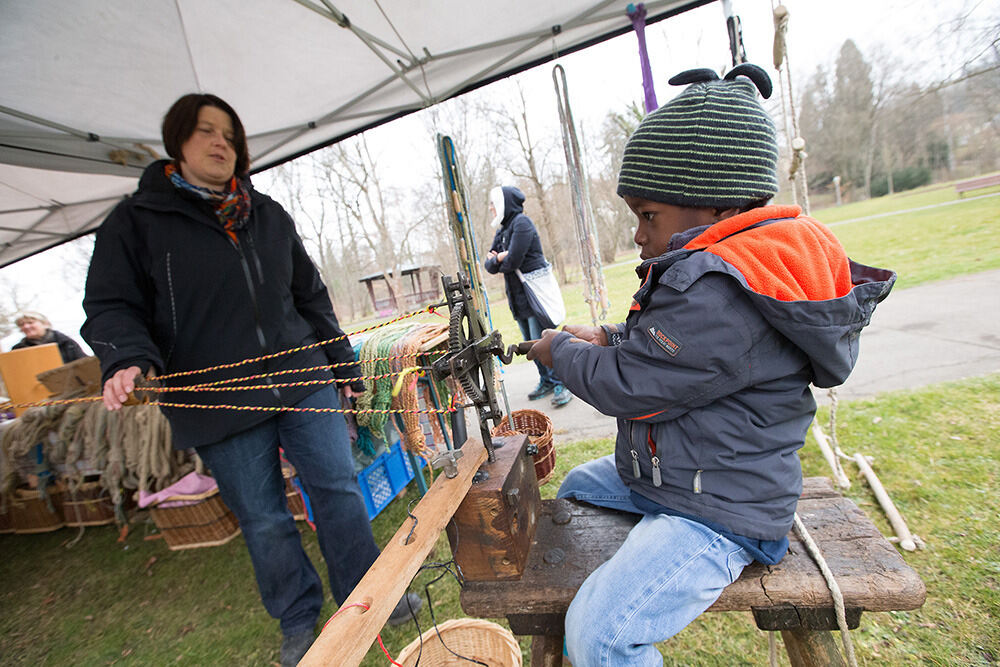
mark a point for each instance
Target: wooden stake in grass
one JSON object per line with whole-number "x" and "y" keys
{"x": 906, "y": 540}
{"x": 839, "y": 477}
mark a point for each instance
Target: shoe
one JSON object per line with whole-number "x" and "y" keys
{"x": 293, "y": 647}
{"x": 543, "y": 389}
{"x": 561, "y": 397}
{"x": 401, "y": 614}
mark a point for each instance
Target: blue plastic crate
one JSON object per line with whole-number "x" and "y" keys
{"x": 387, "y": 475}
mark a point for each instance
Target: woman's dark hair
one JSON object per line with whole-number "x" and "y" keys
{"x": 182, "y": 119}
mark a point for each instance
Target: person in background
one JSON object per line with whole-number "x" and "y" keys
{"x": 38, "y": 330}
{"x": 517, "y": 247}
{"x": 741, "y": 306}
{"x": 196, "y": 270}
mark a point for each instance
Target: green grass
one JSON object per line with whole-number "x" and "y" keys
{"x": 935, "y": 450}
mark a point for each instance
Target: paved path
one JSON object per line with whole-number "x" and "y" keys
{"x": 919, "y": 336}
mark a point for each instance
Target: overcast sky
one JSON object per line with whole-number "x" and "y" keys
{"x": 607, "y": 77}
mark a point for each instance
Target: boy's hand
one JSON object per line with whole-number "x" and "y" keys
{"x": 593, "y": 335}
{"x": 541, "y": 351}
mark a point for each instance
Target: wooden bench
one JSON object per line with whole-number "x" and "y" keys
{"x": 961, "y": 187}
{"x": 571, "y": 539}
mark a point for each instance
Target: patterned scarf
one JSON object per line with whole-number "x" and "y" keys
{"x": 232, "y": 205}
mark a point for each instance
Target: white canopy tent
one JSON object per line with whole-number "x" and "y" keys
{"x": 84, "y": 83}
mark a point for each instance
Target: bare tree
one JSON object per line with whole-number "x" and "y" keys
{"x": 301, "y": 186}
{"x": 382, "y": 220}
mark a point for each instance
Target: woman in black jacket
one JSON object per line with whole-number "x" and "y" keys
{"x": 516, "y": 250}
{"x": 196, "y": 270}
{"x": 38, "y": 330}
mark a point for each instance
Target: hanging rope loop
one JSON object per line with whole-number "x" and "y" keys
{"x": 595, "y": 292}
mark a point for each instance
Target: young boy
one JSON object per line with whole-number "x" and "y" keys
{"x": 741, "y": 307}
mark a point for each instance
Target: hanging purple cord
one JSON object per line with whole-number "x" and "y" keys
{"x": 638, "y": 15}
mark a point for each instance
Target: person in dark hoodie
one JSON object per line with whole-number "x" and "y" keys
{"x": 198, "y": 270}
{"x": 741, "y": 306}
{"x": 517, "y": 250}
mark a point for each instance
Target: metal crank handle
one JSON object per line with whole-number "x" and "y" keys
{"x": 521, "y": 348}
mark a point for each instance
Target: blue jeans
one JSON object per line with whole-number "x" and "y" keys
{"x": 248, "y": 471}
{"x": 666, "y": 573}
{"x": 532, "y": 330}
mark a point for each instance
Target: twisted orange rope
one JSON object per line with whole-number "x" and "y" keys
{"x": 428, "y": 309}
{"x": 215, "y": 386}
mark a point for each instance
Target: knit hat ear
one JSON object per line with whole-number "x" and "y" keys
{"x": 711, "y": 146}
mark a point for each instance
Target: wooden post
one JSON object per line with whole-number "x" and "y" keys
{"x": 807, "y": 648}
{"x": 547, "y": 651}
{"x": 895, "y": 518}
{"x": 831, "y": 457}
{"x": 347, "y": 637}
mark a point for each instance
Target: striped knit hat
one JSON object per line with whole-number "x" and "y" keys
{"x": 711, "y": 146}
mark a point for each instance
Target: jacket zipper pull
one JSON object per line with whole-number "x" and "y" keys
{"x": 635, "y": 465}
{"x": 697, "y": 482}
{"x": 657, "y": 481}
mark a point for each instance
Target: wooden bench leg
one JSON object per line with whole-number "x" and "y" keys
{"x": 810, "y": 648}
{"x": 546, "y": 651}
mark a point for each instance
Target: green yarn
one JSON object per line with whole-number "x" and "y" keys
{"x": 378, "y": 393}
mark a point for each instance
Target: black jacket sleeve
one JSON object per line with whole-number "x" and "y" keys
{"x": 68, "y": 348}
{"x": 521, "y": 234}
{"x": 491, "y": 264}
{"x": 117, "y": 300}
{"x": 312, "y": 301}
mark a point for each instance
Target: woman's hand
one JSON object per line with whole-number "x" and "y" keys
{"x": 502, "y": 256}
{"x": 350, "y": 393}
{"x": 119, "y": 386}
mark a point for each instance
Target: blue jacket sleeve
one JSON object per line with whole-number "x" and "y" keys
{"x": 685, "y": 350}
{"x": 117, "y": 300}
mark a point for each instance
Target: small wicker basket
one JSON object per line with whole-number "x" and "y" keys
{"x": 31, "y": 513}
{"x": 88, "y": 505}
{"x": 473, "y": 638}
{"x": 296, "y": 503}
{"x": 538, "y": 427}
{"x": 6, "y": 526}
{"x": 204, "y": 523}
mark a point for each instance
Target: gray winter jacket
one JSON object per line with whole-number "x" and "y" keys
{"x": 710, "y": 384}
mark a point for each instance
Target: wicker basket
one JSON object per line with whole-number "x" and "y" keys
{"x": 30, "y": 513}
{"x": 296, "y": 503}
{"x": 469, "y": 637}
{"x": 538, "y": 428}
{"x": 205, "y": 523}
{"x": 6, "y": 525}
{"x": 88, "y": 505}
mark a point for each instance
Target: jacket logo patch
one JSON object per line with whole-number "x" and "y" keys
{"x": 667, "y": 341}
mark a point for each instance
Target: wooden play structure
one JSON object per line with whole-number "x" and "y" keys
{"x": 421, "y": 283}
